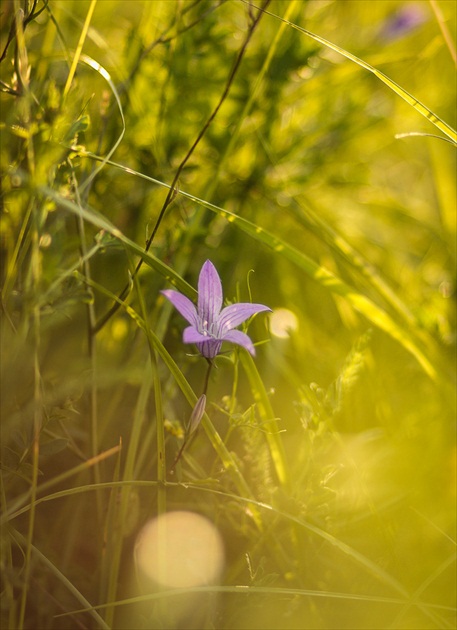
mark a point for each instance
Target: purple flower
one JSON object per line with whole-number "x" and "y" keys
{"x": 209, "y": 325}
{"x": 406, "y": 19}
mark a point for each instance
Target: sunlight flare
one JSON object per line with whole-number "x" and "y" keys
{"x": 180, "y": 550}
{"x": 283, "y": 322}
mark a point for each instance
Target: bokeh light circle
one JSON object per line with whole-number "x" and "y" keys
{"x": 283, "y": 322}
{"x": 180, "y": 549}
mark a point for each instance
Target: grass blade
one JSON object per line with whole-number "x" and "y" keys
{"x": 406, "y": 96}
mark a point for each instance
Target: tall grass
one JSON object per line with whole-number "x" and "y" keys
{"x": 307, "y": 149}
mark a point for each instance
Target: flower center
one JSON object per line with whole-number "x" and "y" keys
{"x": 209, "y": 329}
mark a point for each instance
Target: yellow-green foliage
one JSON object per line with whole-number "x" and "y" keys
{"x": 307, "y": 148}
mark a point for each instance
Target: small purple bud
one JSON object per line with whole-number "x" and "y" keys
{"x": 197, "y": 415}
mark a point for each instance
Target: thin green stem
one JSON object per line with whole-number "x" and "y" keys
{"x": 22, "y": 67}
{"x": 173, "y": 190}
{"x": 447, "y": 36}
{"x": 160, "y": 436}
{"x": 208, "y": 372}
{"x": 120, "y": 515}
{"x": 189, "y": 429}
{"x": 79, "y": 48}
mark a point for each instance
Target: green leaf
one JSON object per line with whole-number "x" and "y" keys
{"x": 99, "y": 221}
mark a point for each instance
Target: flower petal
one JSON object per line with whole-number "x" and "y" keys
{"x": 183, "y": 305}
{"x": 241, "y": 339}
{"x": 209, "y": 294}
{"x": 207, "y": 346}
{"x": 209, "y": 349}
{"x": 235, "y": 314}
{"x": 191, "y": 335}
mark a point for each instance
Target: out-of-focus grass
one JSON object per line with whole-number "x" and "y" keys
{"x": 315, "y": 146}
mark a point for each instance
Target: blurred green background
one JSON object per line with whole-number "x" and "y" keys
{"x": 343, "y": 202}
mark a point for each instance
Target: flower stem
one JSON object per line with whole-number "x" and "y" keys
{"x": 208, "y": 371}
{"x": 189, "y": 429}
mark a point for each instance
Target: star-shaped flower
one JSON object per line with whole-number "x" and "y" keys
{"x": 209, "y": 325}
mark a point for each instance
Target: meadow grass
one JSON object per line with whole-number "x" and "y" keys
{"x": 306, "y": 148}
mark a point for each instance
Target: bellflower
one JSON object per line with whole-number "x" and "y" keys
{"x": 209, "y": 325}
